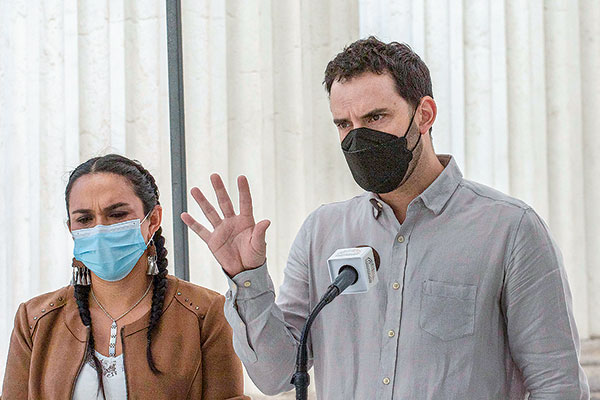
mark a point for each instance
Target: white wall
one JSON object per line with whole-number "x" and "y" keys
{"x": 517, "y": 85}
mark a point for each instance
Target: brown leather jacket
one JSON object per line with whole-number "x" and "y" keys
{"x": 192, "y": 347}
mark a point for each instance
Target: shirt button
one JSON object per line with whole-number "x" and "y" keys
{"x": 386, "y": 381}
{"x": 400, "y": 239}
{"x": 247, "y": 284}
{"x": 396, "y": 285}
{"x": 391, "y": 333}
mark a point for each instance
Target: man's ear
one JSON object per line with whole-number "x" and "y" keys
{"x": 427, "y": 114}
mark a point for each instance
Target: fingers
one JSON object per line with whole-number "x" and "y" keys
{"x": 222, "y": 196}
{"x": 209, "y": 211}
{"x": 196, "y": 226}
{"x": 245, "y": 196}
{"x": 258, "y": 234}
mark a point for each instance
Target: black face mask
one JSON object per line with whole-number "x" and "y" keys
{"x": 378, "y": 160}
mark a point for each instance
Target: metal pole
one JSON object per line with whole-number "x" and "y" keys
{"x": 177, "y": 128}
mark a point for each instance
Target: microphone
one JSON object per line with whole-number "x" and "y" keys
{"x": 353, "y": 270}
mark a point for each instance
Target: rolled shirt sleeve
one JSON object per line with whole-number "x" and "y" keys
{"x": 537, "y": 305}
{"x": 265, "y": 340}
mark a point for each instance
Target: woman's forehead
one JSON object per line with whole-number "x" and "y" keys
{"x": 99, "y": 190}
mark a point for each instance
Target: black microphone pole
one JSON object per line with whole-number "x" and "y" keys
{"x": 347, "y": 276}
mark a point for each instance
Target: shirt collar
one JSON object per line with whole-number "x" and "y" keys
{"x": 437, "y": 194}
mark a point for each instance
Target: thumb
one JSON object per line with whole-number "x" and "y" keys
{"x": 258, "y": 234}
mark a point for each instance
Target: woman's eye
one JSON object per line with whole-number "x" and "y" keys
{"x": 84, "y": 220}
{"x": 118, "y": 215}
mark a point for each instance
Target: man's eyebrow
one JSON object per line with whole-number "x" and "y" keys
{"x": 367, "y": 115}
{"x": 375, "y": 112}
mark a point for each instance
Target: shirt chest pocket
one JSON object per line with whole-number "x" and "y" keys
{"x": 447, "y": 309}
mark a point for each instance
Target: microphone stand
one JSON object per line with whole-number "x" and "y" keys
{"x": 301, "y": 379}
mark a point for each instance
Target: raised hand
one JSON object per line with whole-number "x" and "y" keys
{"x": 236, "y": 241}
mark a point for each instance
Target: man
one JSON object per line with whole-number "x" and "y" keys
{"x": 472, "y": 300}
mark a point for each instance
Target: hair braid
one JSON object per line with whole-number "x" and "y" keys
{"x": 159, "y": 281}
{"x": 82, "y": 297}
{"x": 159, "y": 289}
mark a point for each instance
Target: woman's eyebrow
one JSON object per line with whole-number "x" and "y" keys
{"x": 82, "y": 211}
{"x": 106, "y": 209}
{"x": 115, "y": 206}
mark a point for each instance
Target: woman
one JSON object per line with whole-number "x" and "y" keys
{"x": 124, "y": 328}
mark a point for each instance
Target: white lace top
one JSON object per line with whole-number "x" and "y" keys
{"x": 113, "y": 376}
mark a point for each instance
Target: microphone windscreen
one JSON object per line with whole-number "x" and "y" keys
{"x": 364, "y": 260}
{"x": 375, "y": 255}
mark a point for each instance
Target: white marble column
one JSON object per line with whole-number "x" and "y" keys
{"x": 564, "y": 146}
{"x": 589, "y": 39}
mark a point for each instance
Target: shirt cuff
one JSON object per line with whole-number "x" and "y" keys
{"x": 250, "y": 283}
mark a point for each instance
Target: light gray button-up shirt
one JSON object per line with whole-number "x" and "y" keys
{"x": 472, "y": 303}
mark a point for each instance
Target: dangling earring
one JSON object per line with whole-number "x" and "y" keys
{"x": 81, "y": 275}
{"x": 152, "y": 265}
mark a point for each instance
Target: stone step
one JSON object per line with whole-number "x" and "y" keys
{"x": 593, "y": 375}
{"x": 590, "y": 360}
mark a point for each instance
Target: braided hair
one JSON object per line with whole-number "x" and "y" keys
{"x": 145, "y": 188}
{"x": 82, "y": 293}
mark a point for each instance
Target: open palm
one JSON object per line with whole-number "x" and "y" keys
{"x": 237, "y": 242}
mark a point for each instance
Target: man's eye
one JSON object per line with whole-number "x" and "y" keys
{"x": 342, "y": 125}
{"x": 376, "y": 117}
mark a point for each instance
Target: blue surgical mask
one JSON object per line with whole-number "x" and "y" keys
{"x": 110, "y": 251}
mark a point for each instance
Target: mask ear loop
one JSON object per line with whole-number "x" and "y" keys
{"x": 151, "y": 241}
{"x": 149, "y": 212}
{"x": 410, "y": 125}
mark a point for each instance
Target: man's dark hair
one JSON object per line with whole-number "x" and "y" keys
{"x": 372, "y": 55}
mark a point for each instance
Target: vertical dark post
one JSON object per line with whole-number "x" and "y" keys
{"x": 177, "y": 128}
